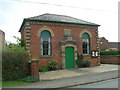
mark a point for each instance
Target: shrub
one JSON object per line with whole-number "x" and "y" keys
{"x": 15, "y": 65}
{"x": 80, "y": 57}
{"x": 13, "y": 48}
{"x": 43, "y": 69}
{"x": 53, "y": 65}
{"x": 110, "y": 53}
{"x": 28, "y": 79}
{"x": 79, "y": 61}
{"x": 86, "y": 63}
{"x": 103, "y": 49}
{"x": 59, "y": 66}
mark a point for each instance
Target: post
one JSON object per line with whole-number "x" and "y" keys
{"x": 34, "y": 70}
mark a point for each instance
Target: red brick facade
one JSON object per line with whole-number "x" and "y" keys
{"x": 104, "y": 44}
{"x": 110, "y": 59}
{"x": 31, "y": 34}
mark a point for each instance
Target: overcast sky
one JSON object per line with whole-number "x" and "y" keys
{"x": 102, "y": 12}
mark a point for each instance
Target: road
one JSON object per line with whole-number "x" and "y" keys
{"x": 72, "y": 81}
{"x": 112, "y": 83}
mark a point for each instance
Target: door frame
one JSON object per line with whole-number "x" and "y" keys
{"x": 66, "y": 60}
{"x": 63, "y": 54}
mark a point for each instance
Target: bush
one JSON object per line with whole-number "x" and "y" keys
{"x": 110, "y": 53}
{"x": 86, "y": 63}
{"x": 103, "y": 49}
{"x": 13, "y": 48}
{"x": 43, "y": 69}
{"x": 15, "y": 65}
{"x": 79, "y": 61}
{"x": 53, "y": 65}
{"x": 28, "y": 79}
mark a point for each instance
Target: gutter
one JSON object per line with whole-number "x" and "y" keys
{"x": 29, "y": 20}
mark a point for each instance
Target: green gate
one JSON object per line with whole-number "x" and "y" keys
{"x": 69, "y": 57}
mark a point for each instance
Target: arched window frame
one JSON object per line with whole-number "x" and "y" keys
{"x": 86, "y": 43}
{"x": 45, "y": 43}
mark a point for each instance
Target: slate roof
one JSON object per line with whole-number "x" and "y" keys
{"x": 59, "y": 19}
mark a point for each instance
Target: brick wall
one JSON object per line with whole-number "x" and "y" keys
{"x": 94, "y": 61}
{"x": 110, "y": 59}
{"x": 58, "y": 31}
{"x": 104, "y": 44}
{"x": 35, "y": 70}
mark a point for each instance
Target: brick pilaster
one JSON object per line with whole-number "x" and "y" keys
{"x": 98, "y": 46}
{"x": 35, "y": 70}
{"x": 28, "y": 35}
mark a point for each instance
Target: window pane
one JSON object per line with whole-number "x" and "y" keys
{"x": 85, "y": 43}
{"x": 45, "y": 47}
{"x": 45, "y": 43}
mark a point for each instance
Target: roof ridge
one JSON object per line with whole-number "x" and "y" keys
{"x": 64, "y": 16}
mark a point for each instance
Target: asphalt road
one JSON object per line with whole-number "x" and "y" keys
{"x": 112, "y": 83}
{"x": 72, "y": 81}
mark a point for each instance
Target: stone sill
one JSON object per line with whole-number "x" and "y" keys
{"x": 46, "y": 56}
{"x": 86, "y": 55}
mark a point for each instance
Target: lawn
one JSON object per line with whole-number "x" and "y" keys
{"x": 14, "y": 83}
{"x": 0, "y": 84}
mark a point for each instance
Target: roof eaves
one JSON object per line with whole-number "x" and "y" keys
{"x": 22, "y": 25}
{"x": 26, "y": 19}
{"x": 61, "y": 22}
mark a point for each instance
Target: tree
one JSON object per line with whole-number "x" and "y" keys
{"x": 20, "y": 42}
{"x": 20, "y": 46}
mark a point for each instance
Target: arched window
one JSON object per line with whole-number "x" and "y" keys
{"x": 45, "y": 43}
{"x": 86, "y": 43}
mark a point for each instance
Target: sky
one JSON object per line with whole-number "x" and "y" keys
{"x": 102, "y": 12}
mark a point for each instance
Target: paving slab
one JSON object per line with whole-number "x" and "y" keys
{"x": 52, "y": 75}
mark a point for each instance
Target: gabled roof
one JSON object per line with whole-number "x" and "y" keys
{"x": 101, "y": 38}
{"x": 59, "y": 19}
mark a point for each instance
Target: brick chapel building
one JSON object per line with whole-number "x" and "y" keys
{"x": 59, "y": 37}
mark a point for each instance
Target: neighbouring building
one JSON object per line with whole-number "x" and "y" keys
{"x": 115, "y": 45}
{"x": 59, "y": 37}
{"x": 2, "y": 39}
{"x": 104, "y": 43}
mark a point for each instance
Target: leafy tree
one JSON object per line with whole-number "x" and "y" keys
{"x": 20, "y": 41}
{"x": 20, "y": 46}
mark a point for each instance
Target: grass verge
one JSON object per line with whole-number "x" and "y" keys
{"x": 14, "y": 83}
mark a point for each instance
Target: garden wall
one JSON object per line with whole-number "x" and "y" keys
{"x": 107, "y": 59}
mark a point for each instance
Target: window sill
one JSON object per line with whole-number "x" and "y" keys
{"x": 86, "y": 55}
{"x": 46, "y": 56}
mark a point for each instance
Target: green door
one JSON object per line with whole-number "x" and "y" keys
{"x": 69, "y": 57}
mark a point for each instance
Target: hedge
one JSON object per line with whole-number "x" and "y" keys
{"x": 15, "y": 65}
{"x": 110, "y": 53}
